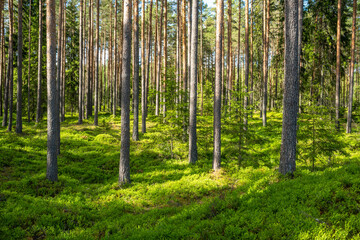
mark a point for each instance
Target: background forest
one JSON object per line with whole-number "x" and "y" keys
{"x": 203, "y": 93}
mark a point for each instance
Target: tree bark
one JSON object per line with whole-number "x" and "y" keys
{"x": 52, "y": 94}
{"x": 115, "y": 62}
{"x": 143, "y": 69}
{"x": 193, "y": 83}
{"x": 165, "y": 57}
{"x": 81, "y": 57}
{"x": 265, "y": 58}
{"x": 338, "y": 67}
{"x": 97, "y": 46}
{"x": 29, "y": 65}
{"x": 218, "y": 80}
{"x": 40, "y": 43}
{"x": 291, "y": 89}
{"x": 159, "y": 52}
{"x": 135, "y": 135}
{"x": 352, "y": 63}
{"x": 19, "y": 70}
{"x": 229, "y": 57}
{"x": 9, "y": 76}
{"x": 246, "y": 99}
{"x": 124, "y": 169}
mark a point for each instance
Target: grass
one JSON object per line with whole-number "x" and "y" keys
{"x": 168, "y": 198}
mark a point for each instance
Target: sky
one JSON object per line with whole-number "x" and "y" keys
{"x": 210, "y": 3}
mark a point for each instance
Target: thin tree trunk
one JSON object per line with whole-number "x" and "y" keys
{"x": 158, "y": 71}
{"x": 81, "y": 58}
{"x": 89, "y": 68}
{"x": 338, "y": 67}
{"x": 218, "y": 80}
{"x": 148, "y": 54}
{"x": 165, "y": 57}
{"x": 143, "y": 69}
{"x": 19, "y": 70}
{"x": 252, "y": 55}
{"x": 246, "y": 99}
{"x": 63, "y": 67}
{"x": 201, "y": 60}
{"x": 351, "y": 83}
{"x": 291, "y": 89}
{"x": 28, "y": 79}
{"x": 10, "y": 75}
{"x": 40, "y": 42}
{"x": 2, "y": 55}
{"x": 124, "y": 169}
{"x": 115, "y": 62}
{"x": 184, "y": 67}
{"x": 52, "y": 94}
{"x": 265, "y": 58}
{"x": 135, "y": 135}
{"x": 97, "y": 46}
{"x": 229, "y": 57}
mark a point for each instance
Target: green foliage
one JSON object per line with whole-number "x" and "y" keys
{"x": 168, "y": 198}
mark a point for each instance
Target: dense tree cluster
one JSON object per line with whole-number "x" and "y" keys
{"x": 176, "y": 60}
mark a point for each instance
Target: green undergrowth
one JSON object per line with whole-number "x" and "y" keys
{"x": 170, "y": 199}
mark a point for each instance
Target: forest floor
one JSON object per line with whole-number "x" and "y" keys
{"x": 170, "y": 199}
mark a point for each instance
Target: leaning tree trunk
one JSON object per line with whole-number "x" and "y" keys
{"x": 97, "y": 39}
{"x": 135, "y": 135}
{"x": 338, "y": 67}
{"x": 291, "y": 89}
{"x": 351, "y": 83}
{"x": 52, "y": 107}
{"x": 19, "y": 69}
{"x": 124, "y": 168}
{"x": 218, "y": 78}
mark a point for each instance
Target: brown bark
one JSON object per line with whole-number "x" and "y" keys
{"x": 352, "y": 63}
{"x": 338, "y": 67}
{"x": 218, "y": 80}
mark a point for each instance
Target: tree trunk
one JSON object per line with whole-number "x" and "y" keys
{"x": 351, "y": 84}
{"x": 115, "y": 64}
{"x": 265, "y": 58}
{"x": 184, "y": 67}
{"x": 291, "y": 89}
{"x": 338, "y": 67}
{"x": 143, "y": 69}
{"x": 97, "y": 46}
{"x": 252, "y": 55}
{"x": 52, "y": 94}
{"x": 148, "y": 54}
{"x": 89, "y": 68}
{"x": 19, "y": 69}
{"x": 218, "y": 79}
{"x": 229, "y": 57}
{"x": 124, "y": 169}
{"x": 40, "y": 42}
{"x": 9, "y": 76}
{"x": 135, "y": 135}
{"x": 81, "y": 57}
{"x": 2, "y": 55}
{"x": 201, "y": 61}
{"x": 246, "y": 99}
{"x": 28, "y": 80}
{"x": 159, "y": 48}
{"x": 193, "y": 83}
{"x": 165, "y": 57}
